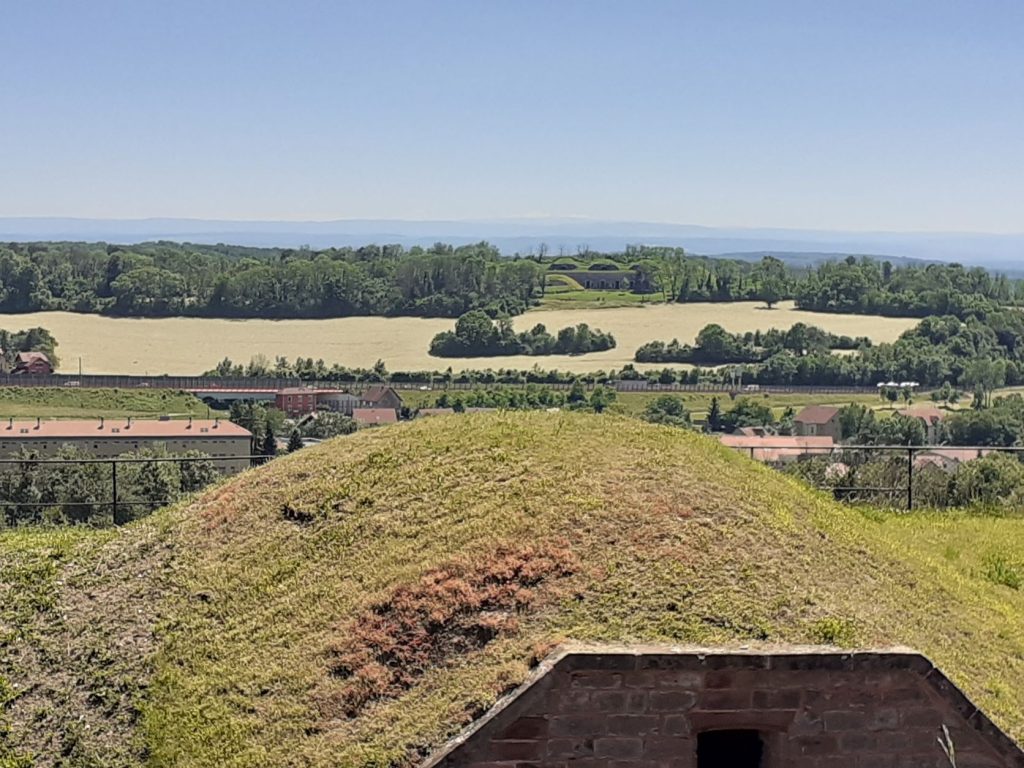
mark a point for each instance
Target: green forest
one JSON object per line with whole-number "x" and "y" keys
{"x": 982, "y": 353}
{"x": 716, "y": 346}
{"x": 166, "y": 279}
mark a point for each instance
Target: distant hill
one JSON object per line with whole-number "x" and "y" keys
{"x": 1002, "y": 252}
{"x": 812, "y": 259}
{"x": 359, "y": 602}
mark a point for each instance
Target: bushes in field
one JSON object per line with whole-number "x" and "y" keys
{"x": 477, "y": 335}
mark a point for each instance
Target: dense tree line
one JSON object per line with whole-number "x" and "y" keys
{"x": 81, "y": 493}
{"x": 1000, "y": 425}
{"x": 169, "y": 279}
{"x": 980, "y": 353}
{"x": 867, "y": 286}
{"x": 715, "y": 346}
{"x": 477, "y": 335}
{"x": 308, "y": 369}
{"x": 530, "y": 397}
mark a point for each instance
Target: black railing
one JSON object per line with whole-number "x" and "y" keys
{"x": 115, "y": 499}
{"x": 907, "y": 477}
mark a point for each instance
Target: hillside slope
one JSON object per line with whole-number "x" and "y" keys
{"x": 361, "y": 601}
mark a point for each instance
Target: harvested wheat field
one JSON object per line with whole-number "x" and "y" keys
{"x": 189, "y": 346}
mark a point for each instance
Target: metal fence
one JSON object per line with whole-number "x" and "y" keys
{"x": 103, "y": 488}
{"x": 209, "y": 384}
{"x": 898, "y": 476}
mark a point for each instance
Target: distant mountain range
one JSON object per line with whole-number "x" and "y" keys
{"x": 1004, "y": 252}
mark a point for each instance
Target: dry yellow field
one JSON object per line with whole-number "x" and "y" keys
{"x": 192, "y": 345}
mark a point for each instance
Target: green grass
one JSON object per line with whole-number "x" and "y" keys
{"x": 596, "y": 299}
{"x": 264, "y": 580}
{"x": 73, "y": 402}
{"x": 698, "y": 403}
{"x": 77, "y": 619}
{"x": 555, "y": 283}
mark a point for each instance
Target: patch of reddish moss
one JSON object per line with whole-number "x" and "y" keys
{"x": 450, "y": 611}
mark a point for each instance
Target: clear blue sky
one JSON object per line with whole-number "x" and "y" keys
{"x": 858, "y": 114}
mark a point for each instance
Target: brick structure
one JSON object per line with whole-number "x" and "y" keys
{"x": 700, "y": 708}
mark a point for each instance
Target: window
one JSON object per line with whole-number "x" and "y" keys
{"x": 729, "y": 749}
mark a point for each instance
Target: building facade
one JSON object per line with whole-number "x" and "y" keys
{"x": 818, "y": 421}
{"x": 302, "y": 401}
{"x": 32, "y": 364}
{"x": 107, "y": 438}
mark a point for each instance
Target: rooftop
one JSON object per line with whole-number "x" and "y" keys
{"x": 817, "y": 414}
{"x": 775, "y": 447}
{"x": 929, "y": 413}
{"x": 369, "y": 416}
{"x": 56, "y": 429}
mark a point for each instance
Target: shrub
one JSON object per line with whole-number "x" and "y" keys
{"x": 994, "y": 480}
{"x": 834, "y": 631}
{"x": 1000, "y": 570}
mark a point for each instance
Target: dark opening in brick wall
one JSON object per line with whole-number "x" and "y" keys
{"x": 729, "y": 749}
{"x": 657, "y": 707}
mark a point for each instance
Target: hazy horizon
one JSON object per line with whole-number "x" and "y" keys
{"x": 524, "y": 235}
{"x": 860, "y": 117}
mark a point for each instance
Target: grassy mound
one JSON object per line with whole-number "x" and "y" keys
{"x": 78, "y": 403}
{"x": 360, "y": 602}
{"x": 557, "y": 283}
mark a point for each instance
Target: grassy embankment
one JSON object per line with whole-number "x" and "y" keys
{"x": 77, "y": 403}
{"x": 269, "y": 601}
{"x": 595, "y": 299}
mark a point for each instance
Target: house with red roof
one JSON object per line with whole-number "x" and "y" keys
{"x": 931, "y": 417}
{"x": 778, "y": 449}
{"x": 32, "y": 364}
{"x": 374, "y": 417}
{"x": 818, "y": 421}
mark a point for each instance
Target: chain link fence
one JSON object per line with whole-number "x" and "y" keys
{"x": 905, "y": 477}
{"x": 104, "y": 491}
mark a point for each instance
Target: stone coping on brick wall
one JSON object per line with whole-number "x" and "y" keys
{"x": 574, "y": 657}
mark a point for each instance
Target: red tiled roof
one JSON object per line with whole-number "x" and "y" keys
{"x": 31, "y": 357}
{"x": 56, "y": 429}
{"x": 308, "y": 391}
{"x": 928, "y": 413}
{"x": 375, "y": 393}
{"x": 230, "y": 390}
{"x": 375, "y": 415}
{"x": 957, "y": 455}
{"x": 817, "y": 414}
{"x": 775, "y": 447}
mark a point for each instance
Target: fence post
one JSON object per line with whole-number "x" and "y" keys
{"x": 910, "y": 479}
{"x": 113, "y": 488}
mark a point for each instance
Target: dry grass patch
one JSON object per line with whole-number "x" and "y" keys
{"x": 453, "y": 610}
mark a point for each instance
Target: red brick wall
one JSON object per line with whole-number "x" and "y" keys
{"x": 814, "y": 711}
